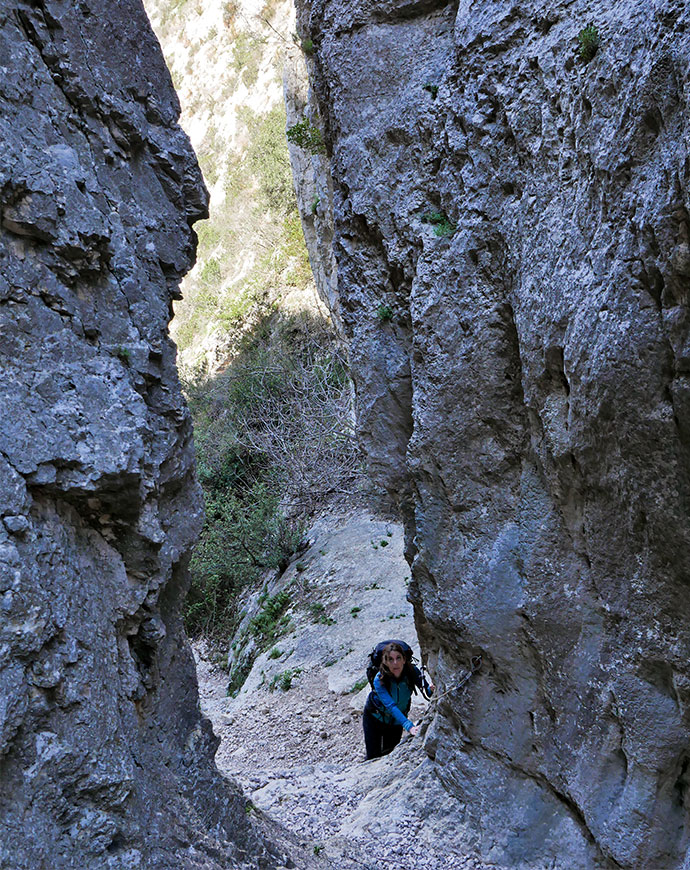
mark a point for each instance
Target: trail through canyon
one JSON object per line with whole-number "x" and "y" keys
{"x": 299, "y": 753}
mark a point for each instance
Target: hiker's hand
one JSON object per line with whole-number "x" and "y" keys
{"x": 414, "y": 730}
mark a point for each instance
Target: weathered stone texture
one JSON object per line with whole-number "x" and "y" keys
{"x": 529, "y": 400}
{"x": 313, "y": 187}
{"x": 105, "y": 761}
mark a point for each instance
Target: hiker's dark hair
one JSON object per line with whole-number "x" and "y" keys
{"x": 408, "y": 671}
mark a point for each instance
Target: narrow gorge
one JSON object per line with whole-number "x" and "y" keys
{"x": 494, "y": 198}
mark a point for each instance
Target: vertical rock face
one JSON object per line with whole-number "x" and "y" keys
{"x": 313, "y": 188}
{"x": 104, "y": 758}
{"x": 522, "y": 214}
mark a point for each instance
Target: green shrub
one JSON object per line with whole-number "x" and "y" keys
{"x": 274, "y": 428}
{"x": 283, "y": 681}
{"x": 432, "y": 89}
{"x": 275, "y": 653}
{"x": 243, "y": 535}
{"x": 588, "y": 42}
{"x": 440, "y": 222}
{"x": 269, "y": 160}
{"x": 270, "y": 621}
{"x": 293, "y": 253}
{"x": 384, "y": 313}
{"x": 315, "y": 203}
{"x": 318, "y": 614}
{"x": 208, "y": 163}
{"x": 307, "y": 46}
{"x": 247, "y": 57}
{"x": 211, "y": 273}
{"x": 238, "y": 676}
{"x": 208, "y": 236}
{"x": 305, "y": 135}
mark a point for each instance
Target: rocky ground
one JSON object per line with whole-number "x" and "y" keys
{"x": 299, "y": 753}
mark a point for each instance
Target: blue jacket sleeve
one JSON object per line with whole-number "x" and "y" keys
{"x": 387, "y": 701}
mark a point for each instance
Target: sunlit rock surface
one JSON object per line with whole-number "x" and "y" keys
{"x": 105, "y": 761}
{"x": 511, "y": 236}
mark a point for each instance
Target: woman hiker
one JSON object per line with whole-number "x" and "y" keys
{"x": 386, "y": 709}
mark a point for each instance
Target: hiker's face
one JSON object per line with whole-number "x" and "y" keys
{"x": 395, "y": 662}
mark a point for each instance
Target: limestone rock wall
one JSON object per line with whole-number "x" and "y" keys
{"x": 313, "y": 185}
{"x": 523, "y": 217}
{"x": 105, "y": 761}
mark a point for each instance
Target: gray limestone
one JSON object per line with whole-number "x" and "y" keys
{"x": 528, "y": 400}
{"x": 105, "y": 759}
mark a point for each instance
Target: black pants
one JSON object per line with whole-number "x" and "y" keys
{"x": 379, "y": 739}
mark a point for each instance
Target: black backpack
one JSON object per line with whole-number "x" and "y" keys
{"x": 376, "y": 654}
{"x": 375, "y": 664}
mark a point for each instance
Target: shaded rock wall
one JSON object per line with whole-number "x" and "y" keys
{"x": 529, "y": 399}
{"x": 313, "y": 186}
{"x": 105, "y": 760}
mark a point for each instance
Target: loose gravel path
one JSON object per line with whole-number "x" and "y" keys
{"x": 299, "y": 754}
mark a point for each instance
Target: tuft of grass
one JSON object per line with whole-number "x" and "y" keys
{"x": 432, "y": 89}
{"x": 384, "y": 313}
{"x": 358, "y": 686}
{"x": 440, "y": 221}
{"x": 275, "y": 653}
{"x": 307, "y": 47}
{"x": 283, "y": 681}
{"x": 318, "y": 614}
{"x": 315, "y": 203}
{"x": 124, "y": 354}
{"x": 588, "y": 42}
